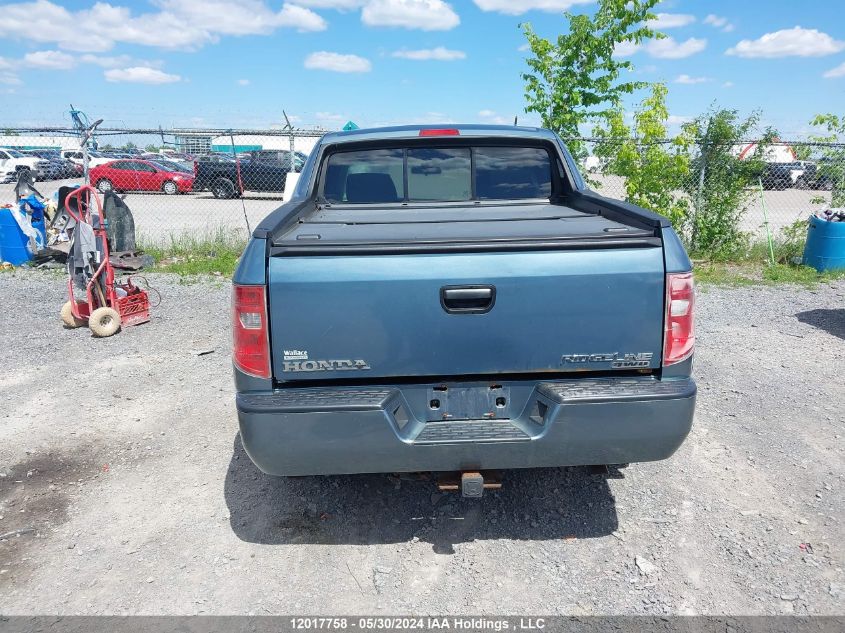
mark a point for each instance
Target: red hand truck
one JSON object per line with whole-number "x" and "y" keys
{"x": 108, "y": 305}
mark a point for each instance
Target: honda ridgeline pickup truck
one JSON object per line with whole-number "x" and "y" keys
{"x": 458, "y": 299}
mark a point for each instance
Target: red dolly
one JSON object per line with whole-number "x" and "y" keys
{"x": 108, "y": 305}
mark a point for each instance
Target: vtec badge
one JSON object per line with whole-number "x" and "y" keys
{"x": 616, "y": 360}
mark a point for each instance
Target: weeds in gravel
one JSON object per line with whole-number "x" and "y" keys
{"x": 212, "y": 253}
{"x": 755, "y": 273}
{"x": 753, "y": 266}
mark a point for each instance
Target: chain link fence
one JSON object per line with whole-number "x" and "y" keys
{"x": 747, "y": 187}
{"x": 205, "y": 183}
{"x": 194, "y": 184}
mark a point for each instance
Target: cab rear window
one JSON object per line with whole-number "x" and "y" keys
{"x": 444, "y": 174}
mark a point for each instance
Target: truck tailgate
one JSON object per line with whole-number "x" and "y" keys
{"x": 451, "y": 314}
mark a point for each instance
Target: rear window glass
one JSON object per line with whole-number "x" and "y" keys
{"x": 367, "y": 176}
{"x": 439, "y": 174}
{"x": 511, "y": 173}
{"x": 444, "y": 174}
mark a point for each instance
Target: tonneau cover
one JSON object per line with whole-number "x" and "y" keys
{"x": 446, "y": 223}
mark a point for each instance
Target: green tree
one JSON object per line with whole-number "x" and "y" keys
{"x": 832, "y": 168}
{"x": 129, "y": 145}
{"x": 107, "y": 147}
{"x": 576, "y": 79}
{"x": 151, "y": 148}
{"x": 654, "y": 170}
{"x": 722, "y": 185}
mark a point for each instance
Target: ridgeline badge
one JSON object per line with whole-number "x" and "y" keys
{"x": 616, "y": 360}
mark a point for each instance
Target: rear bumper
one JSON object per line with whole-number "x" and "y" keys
{"x": 323, "y": 431}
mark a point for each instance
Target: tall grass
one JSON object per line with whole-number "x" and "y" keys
{"x": 212, "y": 251}
{"x": 752, "y": 264}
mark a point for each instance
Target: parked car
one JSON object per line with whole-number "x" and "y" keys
{"x": 58, "y": 167}
{"x": 780, "y": 176}
{"x": 595, "y": 164}
{"x": 817, "y": 175}
{"x": 140, "y": 175}
{"x": 280, "y": 157}
{"x": 171, "y": 154}
{"x": 216, "y": 158}
{"x": 457, "y": 299}
{"x": 13, "y": 161}
{"x": 264, "y": 170}
{"x": 174, "y": 165}
{"x": 94, "y": 158}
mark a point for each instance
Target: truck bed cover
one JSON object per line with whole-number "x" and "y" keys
{"x": 442, "y": 224}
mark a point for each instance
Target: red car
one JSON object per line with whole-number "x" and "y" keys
{"x": 140, "y": 175}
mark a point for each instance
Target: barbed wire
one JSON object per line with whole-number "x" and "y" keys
{"x": 311, "y": 131}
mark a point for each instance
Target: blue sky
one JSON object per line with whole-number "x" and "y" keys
{"x": 232, "y": 63}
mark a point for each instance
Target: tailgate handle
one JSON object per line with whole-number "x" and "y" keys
{"x": 467, "y": 299}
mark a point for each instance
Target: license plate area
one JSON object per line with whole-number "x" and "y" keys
{"x": 468, "y": 403}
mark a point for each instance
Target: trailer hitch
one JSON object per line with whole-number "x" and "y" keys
{"x": 472, "y": 484}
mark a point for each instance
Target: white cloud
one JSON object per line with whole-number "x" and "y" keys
{"x": 719, "y": 22}
{"x": 55, "y": 60}
{"x": 426, "y": 15}
{"x": 243, "y": 82}
{"x": 794, "y": 42}
{"x": 834, "y": 73}
{"x": 440, "y": 54}
{"x": 492, "y": 117}
{"x": 176, "y": 24}
{"x": 109, "y": 62}
{"x": 140, "y": 75}
{"x": 524, "y": 47}
{"x": 341, "y": 5}
{"x": 434, "y": 118}
{"x": 671, "y": 20}
{"x": 9, "y": 78}
{"x": 675, "y": 119}
{"x": 337, "y": 62}
{"x": 728, "y": 84}
{"x": 625, "y": 49}
{"x": 687, "y": 79}
{"x": 330, "y": 116}
{"x": 245, "y": 17}
{"x": 518, "y": 7}
{"x": 668, "y": 48}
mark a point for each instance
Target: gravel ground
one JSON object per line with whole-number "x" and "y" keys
{"x": 121, "y": 456}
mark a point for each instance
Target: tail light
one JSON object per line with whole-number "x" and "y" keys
{"x": 251, "y": 350}
{"x": 679, "y": 337}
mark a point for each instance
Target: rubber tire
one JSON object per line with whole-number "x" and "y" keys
{"x": 174, "y": 188}
{"x": 104, "y": 322}
{"x": 109, "y": 185}
{"x": 68, "y": 319}
{"x": 223, "y": 189}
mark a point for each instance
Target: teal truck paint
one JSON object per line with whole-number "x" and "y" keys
{"x": 456, "y": 299}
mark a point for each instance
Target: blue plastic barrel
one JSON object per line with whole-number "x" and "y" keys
{"x": 14, "y": 242}
{"x": 825, "y": 248}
